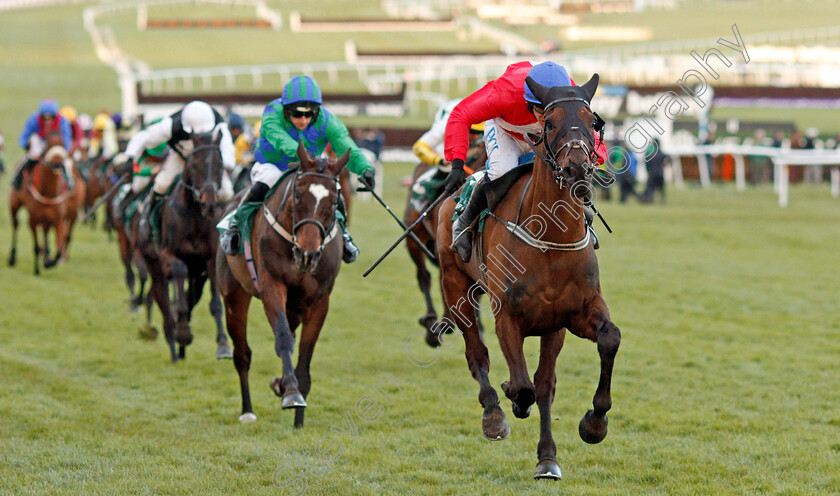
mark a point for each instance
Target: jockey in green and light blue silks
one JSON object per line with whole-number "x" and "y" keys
{"x": 297, "y": 116}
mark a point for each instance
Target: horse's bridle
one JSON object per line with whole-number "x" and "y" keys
{"x": 308, "y": 220}
{"x": 550, "y": 157}
{"x": 196, "y": 193}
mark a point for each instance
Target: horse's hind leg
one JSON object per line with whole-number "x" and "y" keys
{"x": 274, "y": 303}
{"x": 223, "y": 348}
{"x": 455, "y": 286}
{"x": 424, "y": 280}
{"x": 14, "y": 206}
{"x": 545, "y": 380}
{"x": 594, "y": 324}
{"x": 36, "y": 246}
{"x": 313, "y": 322}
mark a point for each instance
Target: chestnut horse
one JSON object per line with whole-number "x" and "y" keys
{"x": 538, "y": 284}
{"x": 188, "y": 243}
{"x": 476, "y": 157}
{"x": 296, "y": 249}
{"x": 51, "y": 205}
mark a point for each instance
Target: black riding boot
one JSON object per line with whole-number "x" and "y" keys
{"x": 589, "y": 216}
{"x": 152, "y": 217}
{"x": 462, "y": 227}
{"x": 351, "y": 251}
{"x": 230, "y": 239}
{"x": 17, "y": 181}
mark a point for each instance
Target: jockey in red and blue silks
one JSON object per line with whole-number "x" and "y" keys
{"x": 33, "y": 137}
{"x": 509, "y": 110}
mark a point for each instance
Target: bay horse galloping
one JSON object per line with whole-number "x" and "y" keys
{"x": 188, "y": 242}
{"x": 296, "y": 249}
{"x": 540, "y": 280}
{"x": 50, "y": 203}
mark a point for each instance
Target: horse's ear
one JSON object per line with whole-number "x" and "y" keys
{"x": 335, "y": 167}
{"x": 539, "y": 91}
{"x": 591, "y": 86}
{"x": 303, "y": 156}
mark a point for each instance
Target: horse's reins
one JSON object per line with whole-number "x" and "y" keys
{"x": 550, "y": 160}
{"x": 292, "y": 237}
{"x": 49, "y": 200}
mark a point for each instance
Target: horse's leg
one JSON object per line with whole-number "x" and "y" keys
{"x": 236, "y": 318}
{"x": 14, "y": 206}
{"x": 274, "y": 303}
{"x": 125, "y": 256}
{"x": 455, "y": 286}
{"x": 594, "y": 323}
{"x": 36, "y": 245}
{"x": 520, "y": 389}
{"x": 160, "y": 290}
{"x": 223, "y": 348}
{"x": 183, "y": 334}
{"x": 313, "y": 322}
{"x": 424, "y": 280}
{"x": 545, "y": 379}
{"x": 60, "y": 240}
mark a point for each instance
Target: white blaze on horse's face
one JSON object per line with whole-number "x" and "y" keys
{"x": 319, "y": 191}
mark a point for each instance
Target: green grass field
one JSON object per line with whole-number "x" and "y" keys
{"x": 725, "y": 382}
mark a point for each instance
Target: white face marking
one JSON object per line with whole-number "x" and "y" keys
{"x": 319, "y": 191}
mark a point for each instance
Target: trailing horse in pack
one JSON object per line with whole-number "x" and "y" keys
{"x": 186, "y": 251}
{"x": 51, "y": 203}
{"x": 426, "y": 184}
{"x": 290, "y": 261}
{"x": 536, "y": 262}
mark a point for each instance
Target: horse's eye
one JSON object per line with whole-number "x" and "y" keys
{"x": 549, "y": 125}
{"x": 297, "y": 195}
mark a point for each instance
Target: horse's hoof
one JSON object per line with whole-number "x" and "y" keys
{"x": 247, "y": 417}
{"x": 432, "y": 339}
{"x": 224, "y": 351}
{"x": 182, "y": 352}
{"x": 132, "y": 308}
{"x": 548, "y": 469}
{"x": 293, "y": 400}
{"x": 494, "y": 426}
{"x": 593, "y": 429}
{"x": 519, "y": 412}
{"x": 427, "y": 320}
{"x": 276, "y": 385}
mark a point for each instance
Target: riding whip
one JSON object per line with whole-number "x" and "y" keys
{"x": 414, "y": 237}
{"x": 105, "y": 197}
{"x": 407, "y": 232}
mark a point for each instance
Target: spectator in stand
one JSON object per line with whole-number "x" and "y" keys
{"x": 813, "y": 173}
{"x": 374, "y": 140}
{"x": 655, "y": 161}
{"x": 625, "y": 165}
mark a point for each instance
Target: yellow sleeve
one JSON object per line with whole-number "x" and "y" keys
{"x": 425, "y": 153}
{"x": 240, "y": 147}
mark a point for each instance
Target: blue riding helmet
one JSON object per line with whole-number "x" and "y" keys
{"x": 301, "y": 89}
{"x": 546, "y": 74}
{"x": 48, "y": 106}
{"x": 236, "y": 121}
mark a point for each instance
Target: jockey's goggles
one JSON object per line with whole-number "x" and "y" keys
{"x": 297, "y": 113}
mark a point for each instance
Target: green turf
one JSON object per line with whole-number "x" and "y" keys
{"x": 725, "y": 382}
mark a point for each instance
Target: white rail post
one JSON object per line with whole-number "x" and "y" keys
{"x": 740, "y": 173}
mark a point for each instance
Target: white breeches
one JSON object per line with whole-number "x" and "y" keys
{"x": 267, "y": 174}
{"x": 503, "y": 150}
